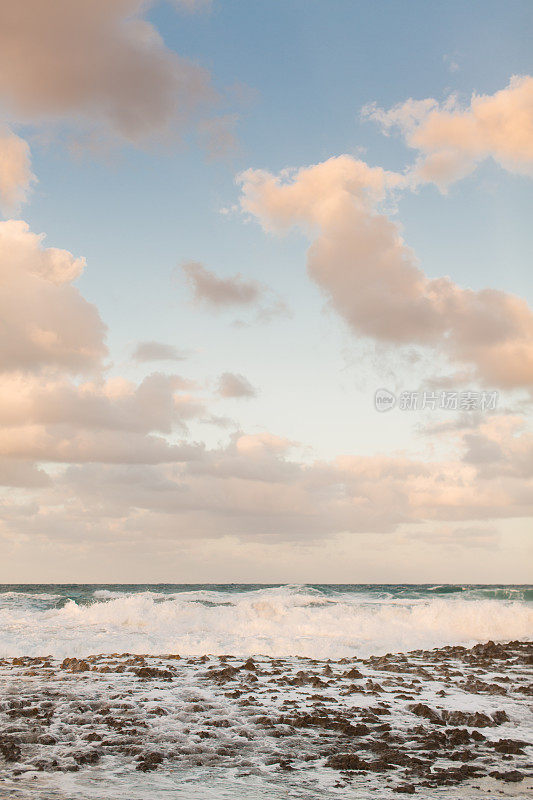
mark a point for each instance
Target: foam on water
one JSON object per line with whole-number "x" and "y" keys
{"x": 287, "y": 620}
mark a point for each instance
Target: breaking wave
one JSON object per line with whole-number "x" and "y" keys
{"x": 280, "y": 621}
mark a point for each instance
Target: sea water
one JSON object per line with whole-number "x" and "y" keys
{"x": 318, "y": 621}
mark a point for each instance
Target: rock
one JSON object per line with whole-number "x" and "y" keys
{"x": 345, "y": 761}
{"x": 352, "y": 673}
{"x": 222, "y": 675}
{"x": 149, "y": 761}
{"x": 74, "y": 665}
{"x": 473, "y": 720}
{"x": 514, "y": 776}
{"x": 93, "y": 737}
{"x": 153, "y": 672}
{"x": 405, "y": 788}
{"x": 509, "y": 746}
{"x": 500, "y": 717}
{"x": 47, "y": 739}
{"x": 458, "y": 737}
{"x": 10, "y": 750}
{"x": 88, "y": 757}
{"x": 421, "y": 710}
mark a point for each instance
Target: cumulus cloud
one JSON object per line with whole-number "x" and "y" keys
{"x": 372, "y": 278}
{"x": 54, "y": 419}
{"x": 45, "y": 322}
{"x": 231, "y": 384}
{"x": 255, "y": 487}
{"x": 16, "y": 176}
{"x": 50, "y": 337}
{"x": 96, "y": 61}
{"x": 157, "y": 351}
{"x": 453, "y": 139}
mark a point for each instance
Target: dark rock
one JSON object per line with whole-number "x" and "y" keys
{"x": 74, "y": 665}
{"x": 352, "y": 673}
{"x": 514, "y": 776}
{"x": 153, "y": 672}
{"x": 149, "y": 761}
{"x": 10, "y": 750}
{"x": 509, "y": 746}
{"x": 47, "y": 739}
{"x": 88, "y": 757}
{"x": 421, "y": 710}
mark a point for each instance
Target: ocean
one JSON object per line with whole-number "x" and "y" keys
{"x": 265, "y": 692}
{"x": 317, "y": 621}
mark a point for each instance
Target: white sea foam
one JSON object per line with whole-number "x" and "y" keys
{"x": 281, "y": 621}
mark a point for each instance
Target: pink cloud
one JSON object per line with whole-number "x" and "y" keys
{"x": 45, "y": 320}
{"x": 209, "y": 288}
{"x": 16, "y": 176}
{"x": 231, "y": 384}
{"x": 453, "y": 139}
{"x": 100, "y": 63}
{"x": 372, "y": 278}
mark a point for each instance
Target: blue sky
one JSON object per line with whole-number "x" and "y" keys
{"x": 310, "y": 68}
{"x": 296, "y": 76}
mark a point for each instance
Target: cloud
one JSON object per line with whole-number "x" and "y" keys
{"x": 22, "y": 474}
{"x": 453, "y": 139}
{"x": 99, "y": 63}
{"x": 16, "y": 176}
{"x": 217, "y": 292}
{"x": 231, "y": 384}
{"x": 45, "y": 322}
{"x": 157, "y": 351}
{"x": 54, "y": 419}
{"x": 234, "y": 292}
{"x": 372, "y": 278}
{"x": 254, "y": 487}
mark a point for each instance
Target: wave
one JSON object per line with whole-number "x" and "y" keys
{"x": 278, "y": 621}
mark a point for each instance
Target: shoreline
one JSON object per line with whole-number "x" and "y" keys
{"x": 397, "y": 724}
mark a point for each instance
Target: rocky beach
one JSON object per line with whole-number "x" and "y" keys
{"x": 451, "y": 721}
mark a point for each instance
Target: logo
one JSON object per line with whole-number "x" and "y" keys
{"x": 384, "y": 400}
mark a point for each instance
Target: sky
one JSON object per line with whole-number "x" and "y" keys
{"x": 225, "y": 227}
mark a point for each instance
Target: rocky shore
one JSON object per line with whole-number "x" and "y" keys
{"x": 396, "y": 724}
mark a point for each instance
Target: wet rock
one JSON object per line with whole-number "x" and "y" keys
{"x": 93, "y": 737}
{"x": 422, "y": 710}
{"x": 458, "y": 737}
{"x": 222, "y": 675}
{"x": 509, "y": 746}
{"x": 10, "y": 750}
{"x": 149, "y": 761}
{"x": 153, "y": 672}
{"x": 44, "y": 765}
{"x": 75, "y": 665}
{"x": 351, "y": 761}
{"x": 514, "y": 776}
{"x": 474, "y": 720}
{"x": 353, "y": 674}
{"x": 47, "y": 739}
{"x": 87, "y": 757}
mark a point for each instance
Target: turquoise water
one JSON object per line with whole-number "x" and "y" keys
{"x": 315, "y": 620}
